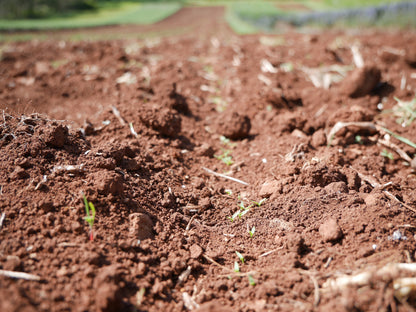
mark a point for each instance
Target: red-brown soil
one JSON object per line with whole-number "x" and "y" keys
{"x": 137, "y": 125}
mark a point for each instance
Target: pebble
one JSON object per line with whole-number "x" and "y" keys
{"x": 330, "y": 230}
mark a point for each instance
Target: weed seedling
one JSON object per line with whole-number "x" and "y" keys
{"x": 236, "y": 267}
{"x": 251, "y": 280}
{"x": 387, "y": 154}
{"x": 405, "y": 111}
{"x": 240, "y": 256}
{"x": 90, "y": 211}
{"x": 252, "y": 231}
{"x": 260, "y": 202}
{"x": 225, "y": 157}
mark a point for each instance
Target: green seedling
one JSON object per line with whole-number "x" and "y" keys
{"x": 260, "y": 202}
{"x": 240, "y": 256}
{"x": 236, "y": 267}
{"x": 90, "y": 211}
{"x": 405, "y": 111}
{"x": 235, "y": 215}
{"x": 226, "y": 141}
{"x": 228, "y": 192}
{"x": 251, "y": 280}
{"x": 400, "y": 138}
{"x": 387, "y": 154}
{"x": 252, "y": 231}
{"x": 225, "y": 157}
{"x": 359, "y": 139}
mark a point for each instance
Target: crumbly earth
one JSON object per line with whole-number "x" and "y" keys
{"x": 138, "y": 127}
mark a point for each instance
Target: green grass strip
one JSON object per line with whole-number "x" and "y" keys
{"x": 125, "y": 13}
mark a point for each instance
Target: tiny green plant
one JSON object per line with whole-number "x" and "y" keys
{"x": 252, "y": 231}
{"x": 405, "y": 111}
{"x": 260, "y": 202}
{"x": 251, "y": 280}
{"x": 90, "y": 211}
{"x": 387, "y": 154}
{"x": 236, "y": 267}
{"x": 359, "y": 139}
{"x": 225, "y": 157}
{"x": 226, "y": 141}
{"x": 240, "y": 256}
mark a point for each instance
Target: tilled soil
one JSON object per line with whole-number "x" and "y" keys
{"x": 217, "y": 181}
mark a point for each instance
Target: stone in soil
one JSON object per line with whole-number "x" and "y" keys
{"x": 233, "y": 125}
{"x": 330, "y": 230}
{"x": 361, "y": 81}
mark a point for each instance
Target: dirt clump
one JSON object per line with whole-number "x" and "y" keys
{"x": 233, "y": 125}
{"x": 361, "y": 81}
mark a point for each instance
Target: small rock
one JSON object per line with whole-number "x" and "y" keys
{"x": 410, "y": 55}
{"x": 330, "y": 230}
{"x": 41, "y": 68}
{"x": 196, "y": 251}
{"x": 205, "y": 150}
{"x": 234, "y": 125}
{"x": 204, "y": 203}
{"x": 269, "y": 187}
{"x": 337, "y": 187}
{"x": 361, "y": 81}
{"x": 55, "y": 135}
{"x": 108, "y": 298}
{"x": 318, "y": 138}
{"x": 107, "y": 182}
{"x": 141, "y": 226}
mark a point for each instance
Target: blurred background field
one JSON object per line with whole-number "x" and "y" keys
{"x": 244, "y": 17}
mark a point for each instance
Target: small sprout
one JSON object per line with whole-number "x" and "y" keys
{"x": 242, "y": 213}
{"x": 225, "y": 157}
{"x": 90, "y": 211}
{"x": 251, "y": 280}
{"x": 387, "y": 154}
{"x": 236, "y": 267}
{"x": 405, "y": 111}
{"x": 226, "y": 141}
{"x": 228, "y": 192}
{"x": 287, "y": 67}
{"x": 235, "y": 215}
{"x": 240, "y": 256}
{"x": 260, "y": 202}
{"x": 252, "y": 231}
{"x": 359, "y": 139}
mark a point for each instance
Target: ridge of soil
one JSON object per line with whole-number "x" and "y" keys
{"x": 137, "y": 126}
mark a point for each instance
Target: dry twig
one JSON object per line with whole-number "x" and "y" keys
{"x": 116, "y": 113}
{"x": 20, "y": 275}
{"x": 224, "y": 176}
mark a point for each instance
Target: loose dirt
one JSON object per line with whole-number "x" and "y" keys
{"x": 269, "y": 219}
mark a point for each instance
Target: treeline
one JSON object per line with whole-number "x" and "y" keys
{"x": 11, "y": 9}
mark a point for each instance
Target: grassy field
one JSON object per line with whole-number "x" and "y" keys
{"x": 238, "y": 13}
{"x": 124, "y": 13}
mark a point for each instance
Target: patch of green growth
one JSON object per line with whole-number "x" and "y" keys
{"x": 238, "y": 25}
{"x": 359, "y": 139}
{"x": 405, "y": 111}
{"x": 240, "y": 256}
{"x": 387, "y": 154}
{"x": 90, "y": 211}
{"x": 227, "y": 142}
{"x": 107, "y": 14}
{"x": 225, "y": 157}
{"x": 221, "y": 104}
